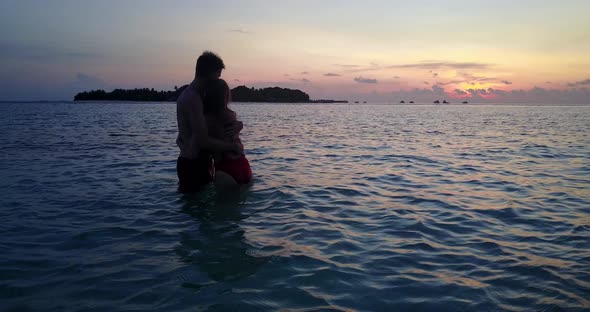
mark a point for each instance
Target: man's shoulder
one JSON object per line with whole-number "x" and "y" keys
{"x": 188, "y": 96}
{"x": 189, "y": 93}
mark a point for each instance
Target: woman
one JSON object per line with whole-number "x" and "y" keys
{"x": 230, "y": 168}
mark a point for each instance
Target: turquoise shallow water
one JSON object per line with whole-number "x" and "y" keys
{"x": 353, "y": 208}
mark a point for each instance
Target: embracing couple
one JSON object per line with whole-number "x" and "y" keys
{"x": 208, "y": 131}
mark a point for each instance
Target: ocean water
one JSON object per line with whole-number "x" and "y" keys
{"x": 353, "y": 208}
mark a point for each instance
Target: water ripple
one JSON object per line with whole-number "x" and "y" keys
{"x": 354, "y": 208}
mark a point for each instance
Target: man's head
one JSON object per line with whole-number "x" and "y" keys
{"x": 209, "y": 66}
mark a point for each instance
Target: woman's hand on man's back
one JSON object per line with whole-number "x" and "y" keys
{"x": 234, "y": 128}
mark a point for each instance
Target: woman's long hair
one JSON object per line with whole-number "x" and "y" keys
{"x": 216, "y": 96}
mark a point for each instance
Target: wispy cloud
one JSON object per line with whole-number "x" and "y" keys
{"x": 86, "y": 79}
{"x": 534, "y": 95}
{"x": 450, "y": 82}
{"x": 492, "y": 95}
{"x": 426, "y": 65}
{"x": 304, "y": 80}
{"x": 347, "y": 65}
{"x": 19, "y": 88}
{"x": 365, "y": 80}
{"x": 83, "y": 82}
{"x": 43, "y": 53}
{"x": 332, "y": 75}
{"x": 304, "y": 73}
{"x": 472, "y": 78}
{"x": 443, "y": 64}
{"x": 239, "y": 31}
{"x": 579, "y": 83}
{"x": 464, "y": 77}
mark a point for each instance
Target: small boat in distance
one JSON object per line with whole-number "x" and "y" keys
{"x": 411, "y": 102}
{"x": 356, "y": 101}
{"x": 436, "y": 102}
{"x": 445, "y": 102}
{"x": 465, "y": 102}
{"x": 402, "y": 102}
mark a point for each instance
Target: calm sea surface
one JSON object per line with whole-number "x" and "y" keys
{"x": 353, "y": 208}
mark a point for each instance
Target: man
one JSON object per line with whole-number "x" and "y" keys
{"x": 194, "y": 165}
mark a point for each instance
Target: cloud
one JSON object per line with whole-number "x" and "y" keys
{"x": 365, "y": 80}
{"x": 464, "y": 77}
{"x": 88, "y": 80}
{"x": 579, "y": 83}
{"x": 450, "y": 82}
{"x": 477, "y": 92}
{"x": 426, "y": 65}
{"x": 490, "y": 95}
{"x": 472, "y": 78}
{"x": 304, "y": 73}
{"x": 239, "y": 31}
{"x": 304, "y": 80}
{"x": 428, "y": 94}
{"x": 534, "y": 95}
{"x": 332, "y": 75}
{"x": 443, "y": 64}
{"x": 426, "y": 82}
{"x": 31, "y": 88}
{"x": 397, "y": 77}
{"x": 434, "y": 75}
{"x": 82, "y": 82}
{"x": 236, "y": 80}
{"x": 438, "y": 90}
{"x": 347, "y": 65}
{"x": 83, "y": 55}
{"x": 43, "y": 53}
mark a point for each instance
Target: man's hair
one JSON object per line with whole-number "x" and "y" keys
{"x": 207, "y": 64}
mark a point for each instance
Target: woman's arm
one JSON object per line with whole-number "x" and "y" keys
{"x": 233, "y": 125}
{"x": 200, "y": 135}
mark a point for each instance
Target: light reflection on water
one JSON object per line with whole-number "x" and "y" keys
{"x": 410, "y": 208}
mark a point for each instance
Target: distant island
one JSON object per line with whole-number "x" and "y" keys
{"x": 268, "y": 95}
{"x": 143, "y": 95}
{"x": 238, "y": 94}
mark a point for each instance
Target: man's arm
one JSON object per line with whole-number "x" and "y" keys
{"x": 200, "y": 135}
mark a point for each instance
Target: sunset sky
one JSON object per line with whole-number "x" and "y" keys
{"x": 386, "y": 51}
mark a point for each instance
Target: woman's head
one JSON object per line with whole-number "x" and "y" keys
{"x": 216, "y": 95}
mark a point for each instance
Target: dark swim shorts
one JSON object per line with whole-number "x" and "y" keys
{"x": 193, "y": 174}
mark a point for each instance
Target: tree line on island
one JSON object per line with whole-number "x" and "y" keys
{"x": 238, "y": 94}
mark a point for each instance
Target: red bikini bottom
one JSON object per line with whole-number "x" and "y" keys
{"x": 238, "y": 168}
